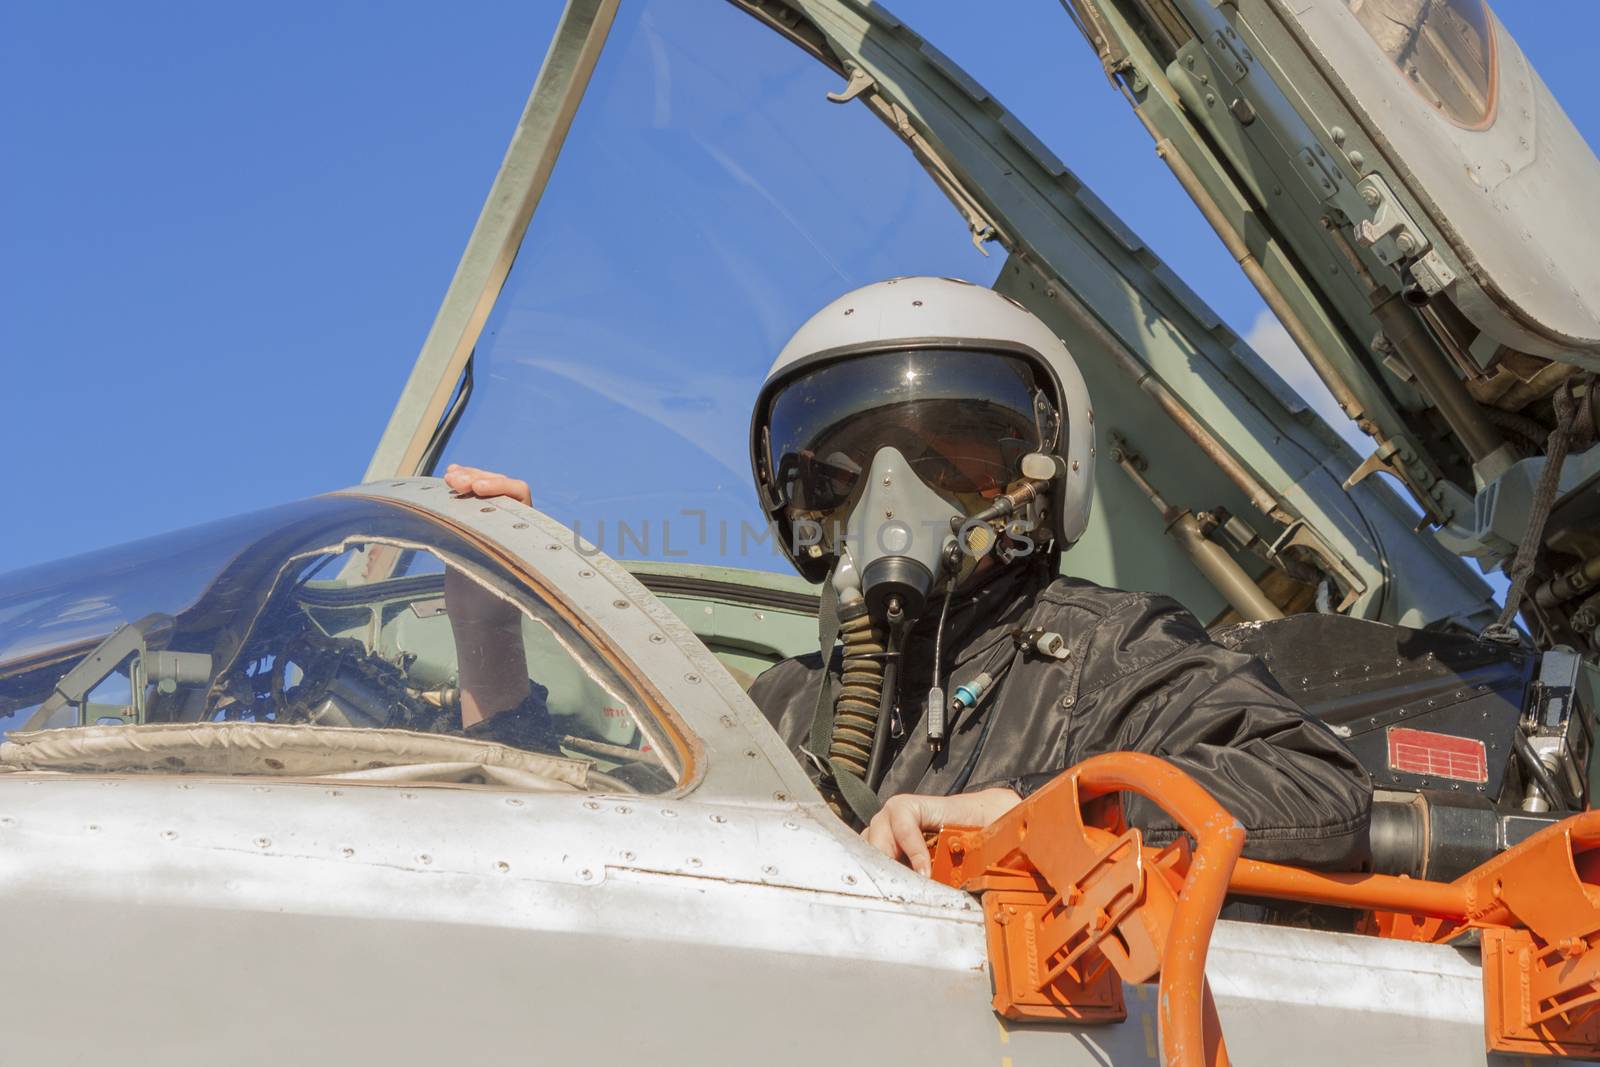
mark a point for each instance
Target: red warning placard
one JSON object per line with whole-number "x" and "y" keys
{"x": 1461, "y": 759}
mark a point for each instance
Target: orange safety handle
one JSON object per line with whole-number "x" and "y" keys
{"x": 1185, "y": 1001}
{"x": 1536, "y": 905}
{"x": 1190, "y": 1033}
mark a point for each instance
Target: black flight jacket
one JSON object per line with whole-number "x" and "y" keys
{"x": 1140, "y": 675}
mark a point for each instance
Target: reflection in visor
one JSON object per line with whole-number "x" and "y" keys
{"x": 963, "y": 420}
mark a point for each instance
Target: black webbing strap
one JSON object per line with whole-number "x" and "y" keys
{"x": 1545, "y": 490}
{"x": 857, "y": 796}
{"x": 863, "y": 802}
{"x": 827, "y": 636}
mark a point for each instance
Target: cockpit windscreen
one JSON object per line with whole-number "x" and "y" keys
{"x": 334, "y": 637}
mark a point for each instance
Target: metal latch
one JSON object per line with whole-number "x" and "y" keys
{"x": 860, "y": 81}
{"x": 1389, "y": 231}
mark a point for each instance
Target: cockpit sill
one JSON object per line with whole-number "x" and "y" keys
{"x": 57, "y": 825}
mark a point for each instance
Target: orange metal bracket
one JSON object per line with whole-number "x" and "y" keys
{"x": 1076, "y": 897}
{"x": 1077, "y": 904}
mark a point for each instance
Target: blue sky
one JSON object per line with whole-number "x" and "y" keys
{"x": 226, "y": 229}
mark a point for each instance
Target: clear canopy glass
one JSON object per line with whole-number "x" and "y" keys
{"x": 334, "y": 636}
{"x": 708, "y": 200}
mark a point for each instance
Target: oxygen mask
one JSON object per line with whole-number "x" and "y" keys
{"x": 881, "y": 460}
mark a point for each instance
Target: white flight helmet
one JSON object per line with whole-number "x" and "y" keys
{"x": 942, "y": 380}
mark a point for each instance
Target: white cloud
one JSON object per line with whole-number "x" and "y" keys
{"x": 1273, "y": 344}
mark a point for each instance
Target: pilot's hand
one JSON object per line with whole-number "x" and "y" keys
{"x": 897, "y": 829}
{"x": 474, "y": 481}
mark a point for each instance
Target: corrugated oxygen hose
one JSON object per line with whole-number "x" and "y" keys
{"x": 856, "y": 708}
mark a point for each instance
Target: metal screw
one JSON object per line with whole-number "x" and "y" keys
{"x": 1405, "y": 243}
{"x": 169, "y": 835}
{"x": 519, "y": 526}
{"x": 619, "y": 603}
{"x": 261, "y": 842}
{"x": 769, "y": 870}
{"x": 1371, "y": 196}
{"x": 424, "y": 859}
{"x": 586, "y": 574}
{"x": 513, "y": 802}
{"x": 592, "y": 805}
{"x": 623, "y": 809}
{"x": 849, "y": 879}
{"x": 502, "y": 866}
{"x": 790, "y": 824}
{"x": 692, "y": 679}
{"x": 669, "y": 813}
{"x": 657, "y": 639}
{"x": 586, "y": 874}
{"x": 486, "y": 510}
{"x": 628, "y": 856}
{"x": 719, "y": 818}
{"x": 694, "y": 861}
{"x": 347, "y": 852}
{"x": 750, "y": 753}
{"x": 780, "y": 795}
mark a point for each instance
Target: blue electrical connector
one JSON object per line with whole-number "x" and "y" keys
{"x": 968, "y": 694}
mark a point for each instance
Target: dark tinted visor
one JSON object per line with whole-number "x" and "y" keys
{"x": 964, "y": 419}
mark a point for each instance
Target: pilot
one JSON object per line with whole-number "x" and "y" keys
{"x": 925, "y": 449}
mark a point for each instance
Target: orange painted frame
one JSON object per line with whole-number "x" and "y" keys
{"x": 1080, "y": 897}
